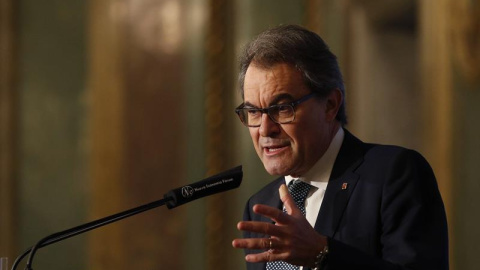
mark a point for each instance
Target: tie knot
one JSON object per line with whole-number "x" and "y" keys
{"x": 299, "y": 190}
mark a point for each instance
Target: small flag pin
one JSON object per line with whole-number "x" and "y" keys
{"x": 344, "y": 186}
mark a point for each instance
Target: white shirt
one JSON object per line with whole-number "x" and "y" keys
{"x": 318, "y": 177}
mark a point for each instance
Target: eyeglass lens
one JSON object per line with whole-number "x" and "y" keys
{"x": 280, "y": 114}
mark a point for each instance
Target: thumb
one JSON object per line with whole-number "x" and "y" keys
{"x": 288, "y": 201}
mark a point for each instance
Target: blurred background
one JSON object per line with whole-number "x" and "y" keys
{"x": 108, "y": 104}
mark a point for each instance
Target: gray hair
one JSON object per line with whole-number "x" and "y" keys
{"x": 303, "y": 49}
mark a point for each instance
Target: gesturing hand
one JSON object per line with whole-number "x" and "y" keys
{"x": 292, "y": 238}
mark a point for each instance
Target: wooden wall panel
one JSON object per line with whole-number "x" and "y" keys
{"x": 219, "y": 53}
{"x": 137, "y": 130}
{"x": 8, "y": 130}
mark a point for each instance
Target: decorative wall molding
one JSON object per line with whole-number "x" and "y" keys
{"x": 218, "y": 93}
{"x": 465, "y": 36}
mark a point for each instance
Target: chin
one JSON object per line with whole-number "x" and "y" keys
{"x": 277, "y": 169}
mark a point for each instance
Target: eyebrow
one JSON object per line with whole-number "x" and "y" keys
{"x": 274, "y": 101}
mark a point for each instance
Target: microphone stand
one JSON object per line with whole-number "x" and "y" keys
{"x": 218, "y": 183}
{"x": 53, "y": 238}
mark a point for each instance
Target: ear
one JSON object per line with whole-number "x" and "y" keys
{"x": 334, "y": 100}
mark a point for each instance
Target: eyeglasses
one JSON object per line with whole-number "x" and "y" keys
{"x": 279, "y": 113}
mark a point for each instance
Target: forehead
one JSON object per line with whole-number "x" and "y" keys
{"x": 262, "y": 85}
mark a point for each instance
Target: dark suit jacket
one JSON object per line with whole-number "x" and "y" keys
{"x": 391, "y": 215}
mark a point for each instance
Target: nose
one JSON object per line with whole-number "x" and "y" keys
{"x": 268, "y": 128}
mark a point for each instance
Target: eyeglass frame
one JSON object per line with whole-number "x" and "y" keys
{"x": 292, "y": 104}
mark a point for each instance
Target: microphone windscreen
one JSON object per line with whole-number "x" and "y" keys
{"x": 214, "y": 184}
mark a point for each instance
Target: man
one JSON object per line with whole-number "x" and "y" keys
{"x": 366, "y": 206}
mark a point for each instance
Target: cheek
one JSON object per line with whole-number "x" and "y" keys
{"x": 254, "y": 135}
{"x": 305, "y": 134}
{"x": 294, "y": 134}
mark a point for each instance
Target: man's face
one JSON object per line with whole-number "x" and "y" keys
{"x": 293, "y": 148}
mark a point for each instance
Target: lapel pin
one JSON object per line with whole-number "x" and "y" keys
{"x": 344, "y": 186}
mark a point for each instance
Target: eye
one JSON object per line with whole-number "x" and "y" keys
{"x": 253, "y": 112}
{"x": 284, "y": 109}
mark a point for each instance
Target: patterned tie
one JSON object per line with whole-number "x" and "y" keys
{"x": 299, "y": 191}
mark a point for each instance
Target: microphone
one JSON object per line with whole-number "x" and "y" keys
{"x": 215, "y": 184}
{"x": 218, "y": 183}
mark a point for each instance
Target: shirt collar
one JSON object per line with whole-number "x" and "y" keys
{"x": 320, "y": 172}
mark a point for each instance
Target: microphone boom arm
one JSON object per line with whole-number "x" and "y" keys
{"x": 53, "y": 238}
{"x": 218, "y": 183}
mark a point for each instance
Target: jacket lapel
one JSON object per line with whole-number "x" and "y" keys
{"x": 341, "y": 185}
{"x": 273, "y": 199}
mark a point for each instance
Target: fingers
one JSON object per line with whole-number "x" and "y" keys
{"x": 253, "y": 243}
{"x": 277, "y": 215}
{"x": 283, "y": 192}
{"x": 261, "y": 227}
{"x": 273, "y": 246}
{"x": 288, "y": 236}
{"x": 259, "y": 257}
{"x": 288, "y": 201}
{"x": 258, "y": 243}
{"x": 272, "y": 213}
{"x": 267, "y": 256}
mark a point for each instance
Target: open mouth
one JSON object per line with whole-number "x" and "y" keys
{"x": 273, "y": 150}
